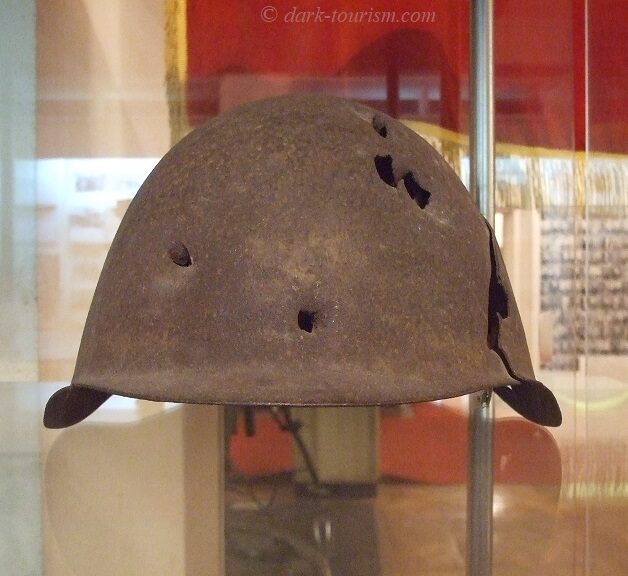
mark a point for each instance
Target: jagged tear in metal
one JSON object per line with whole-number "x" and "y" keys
{"x": 309, "y": 251}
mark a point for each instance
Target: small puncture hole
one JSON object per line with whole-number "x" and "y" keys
{"x": 420, "y": 195}
{"x": 380, "y": 126}
{"x": 179, "y": 254}
{"x": 306, "y": 320}
{"x": 384, "y": 167}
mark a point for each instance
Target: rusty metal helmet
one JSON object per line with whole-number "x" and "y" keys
{"x": 309, "y": 251}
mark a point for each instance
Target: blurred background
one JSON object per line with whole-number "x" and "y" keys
{"x": 94, "y": 93}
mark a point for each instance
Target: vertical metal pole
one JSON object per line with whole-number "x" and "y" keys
{"x": 480, "y": 467}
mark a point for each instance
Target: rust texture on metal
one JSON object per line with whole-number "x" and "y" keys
{"x": 302, "y": 250}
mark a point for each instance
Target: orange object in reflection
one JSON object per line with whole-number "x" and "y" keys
{"x": 429, "y": 446}
{"x": 267, "y": 452}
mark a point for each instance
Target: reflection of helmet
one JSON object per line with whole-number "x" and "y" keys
{"x": 302, "y": 250}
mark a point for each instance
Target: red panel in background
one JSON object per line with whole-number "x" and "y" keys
{"x": 533, "y": 52}
{"x": 240, "y": 38}
{"x": 420, "y": 70}
{"x": 226, "y": 40}
{"x": 607, "y": 81}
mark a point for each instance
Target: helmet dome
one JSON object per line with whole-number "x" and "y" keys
{"x": 302, "y": 250}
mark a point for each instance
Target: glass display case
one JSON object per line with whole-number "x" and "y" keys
{"x": 95, "y": 93}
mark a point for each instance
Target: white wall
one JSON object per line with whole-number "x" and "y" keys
{"x": 101, "y": 78}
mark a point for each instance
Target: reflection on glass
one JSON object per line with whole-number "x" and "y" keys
{"x": 124, "y": 492}
{"x": 80, "y": 203}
